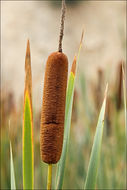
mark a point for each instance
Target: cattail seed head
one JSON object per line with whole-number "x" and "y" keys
{"x": 119, "y": 87}
{"x": 53, "y": 107}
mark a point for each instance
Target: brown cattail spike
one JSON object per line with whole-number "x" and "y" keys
{"x": 119, "y": 87}
{"x": 53, "y": 108}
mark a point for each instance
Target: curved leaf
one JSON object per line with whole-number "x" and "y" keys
{"x": 96, "y": 150}
{"x": 67, "y": 122}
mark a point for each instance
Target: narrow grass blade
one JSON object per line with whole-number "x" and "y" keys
{"x": 96, "y": 149}
{"x": 124, "y": 93}
{"x": 67, "y": 124}
{"x": 68, "y": 111}
{"x": 28, "y": 155}
{"x": 125, "y": 111}
{"x": 13, "y": 186}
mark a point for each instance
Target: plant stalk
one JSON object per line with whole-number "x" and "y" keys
{"x": 49, "y": 177}
{"x": 63, "y": 9}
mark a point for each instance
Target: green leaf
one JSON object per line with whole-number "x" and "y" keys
{"x": 96, "y": 150}
{"x": 68, "y": 111}
{"x": 124, "y": 94}
{"x": 67, "y": 122}
{"x": 13, "y": 186}
{"x": 28, "y": 155}
{"x": 27, "y": 147}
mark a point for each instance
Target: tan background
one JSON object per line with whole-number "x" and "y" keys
{"x": 104, "y": 41}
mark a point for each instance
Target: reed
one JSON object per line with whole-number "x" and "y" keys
{"x": 53, "y": 106}
{"x": 119, "y": 87}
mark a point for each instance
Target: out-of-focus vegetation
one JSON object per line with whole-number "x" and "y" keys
{"x": 87, "y": 102}
{"x": 68, "y": 2}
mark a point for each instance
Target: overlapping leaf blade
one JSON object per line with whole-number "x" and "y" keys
{"x": 124, "y": 94}
{"x": 13, "y": 184}
{"x": 68, "y": 110}
{"x": 67, "y": 123}
{"x": 96, "y": 150}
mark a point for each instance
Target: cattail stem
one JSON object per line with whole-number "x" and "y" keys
{"x": 49, "y": 177}
{"x": 62, "y": 25}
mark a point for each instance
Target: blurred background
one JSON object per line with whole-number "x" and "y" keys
{"x": 101, "y": 58}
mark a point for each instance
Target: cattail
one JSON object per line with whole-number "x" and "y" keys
{"x": 53, "y": 107}
{"x": 108, "y": 114}
{"x": 119, "y": 87}
{"x": 99, "y": 88}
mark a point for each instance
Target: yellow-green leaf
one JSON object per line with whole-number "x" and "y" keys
{"x": 28, "y": 155}
{"x": 67, "y": 122}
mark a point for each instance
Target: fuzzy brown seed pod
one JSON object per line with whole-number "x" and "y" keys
{"x": 53, "y": 107}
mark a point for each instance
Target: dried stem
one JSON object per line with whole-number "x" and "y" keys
{"x": 62, "y": 25}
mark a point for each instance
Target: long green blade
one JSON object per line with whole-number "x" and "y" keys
{"x": 124, "y": 94}
{"x": 67, "y": 123}
{"x": 96, "y": 150}
{"x": 68, "y": 111}
{"x": 28, "y": 161}
{"x": 13, "y": 186}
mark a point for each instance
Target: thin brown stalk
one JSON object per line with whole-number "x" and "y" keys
{"x": 63, "y": 10}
